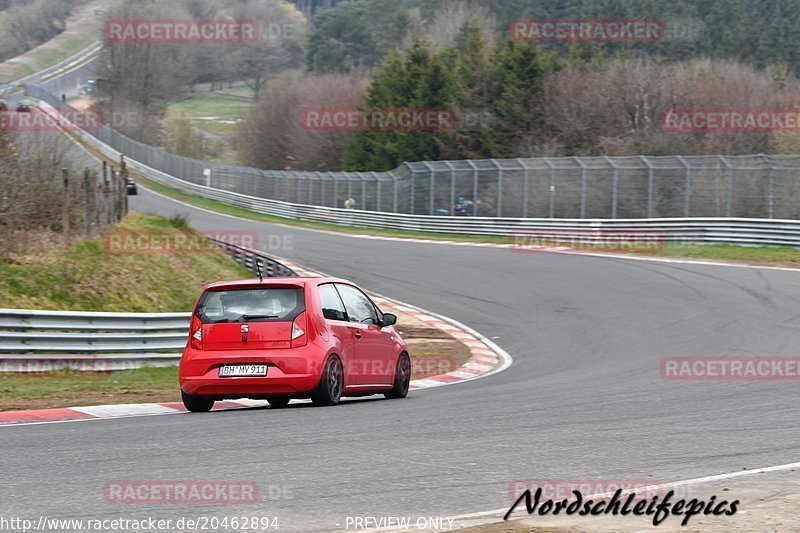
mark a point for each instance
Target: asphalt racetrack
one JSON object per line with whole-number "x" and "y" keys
{"x": 583, "y": 399}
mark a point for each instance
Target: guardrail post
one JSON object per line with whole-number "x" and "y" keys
{"x": 552, "y": 200}
{"x": 614, "y": 186}
{"x": 649, "y": 186}
{"x": 773, "y": 175}
{"x": 583, "y": 185}
{"x": 687, "y": 187}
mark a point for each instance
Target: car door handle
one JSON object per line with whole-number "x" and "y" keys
{"x": 358, "y": 334}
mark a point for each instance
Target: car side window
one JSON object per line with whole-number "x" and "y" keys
{"x": 359, "y": 307}
{"x": 332, "y": 306}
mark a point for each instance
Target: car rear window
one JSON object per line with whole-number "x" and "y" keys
{"x": 274, "y": 304}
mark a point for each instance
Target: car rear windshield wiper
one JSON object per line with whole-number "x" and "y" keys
{"x": 257, "y": 317}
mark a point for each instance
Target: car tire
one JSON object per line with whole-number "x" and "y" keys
{"x": 197, "y": 404}
{"x": 278, "y": 401}
{"x": 402, "y": 378}
{"x": 331, "y": 384}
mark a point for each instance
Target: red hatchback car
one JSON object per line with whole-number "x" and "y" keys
{"x": 285, "y": 338}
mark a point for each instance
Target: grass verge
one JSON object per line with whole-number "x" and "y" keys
{"x": 69, "y": 388}
{"x": 88, "y": 277}
{"x": 756, "y": 255}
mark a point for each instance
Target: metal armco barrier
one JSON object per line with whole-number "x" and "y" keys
{"x": 37, "y": 341}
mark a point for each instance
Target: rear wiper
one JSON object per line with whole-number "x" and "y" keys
{"x": 257, "y": 317}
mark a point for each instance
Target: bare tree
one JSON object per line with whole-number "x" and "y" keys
{"x": 274, "y": 137}
{"x": 449, "y": 20}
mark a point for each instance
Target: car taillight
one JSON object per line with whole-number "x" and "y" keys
{"x": 196, "y": 334}
{"x": 299, "y": 337}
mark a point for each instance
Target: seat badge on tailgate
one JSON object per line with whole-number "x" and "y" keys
{"x": 245, "y": 328}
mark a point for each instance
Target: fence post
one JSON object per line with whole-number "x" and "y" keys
{"x": 123, "y": 186}
{"x": 335, "y": 191}
{"x": 499, "y": 188}
{"x": 525, "y": 182}
{"x": 107, "y": 200}
{"x": 87, "y": 214}
{"x": 118, "y": 197}
{"x": 65, "y": 210}
{"x": 552, "y": 208}
{"x": 297, "y": 180}
{"x": 349, "y": 186}
{"x": 583, "y": 185}
{"x": 412, "y": 191}
{"x": 614, "y": 186}
{"x": 772, "y": 179}
{"x": 363, "y": 190}
{"x": 474, "y": 187}
{"x": 432, "y": 185}
{"x": 649, "y": 186}
{"x": 729, "y": 192}
{"x": 394, "y": 199}
{"x": 452, "y": 206}
{"x": 687, "y": 187}
{"x": 378, "y": 191}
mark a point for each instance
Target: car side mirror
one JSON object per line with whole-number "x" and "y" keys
{"x": 388, "y": 320}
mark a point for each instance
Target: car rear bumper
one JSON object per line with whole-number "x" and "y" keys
{"x": 288, "y": 373}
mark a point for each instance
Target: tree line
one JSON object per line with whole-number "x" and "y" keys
{"x": 26, "y": 24}
{"x": 361, "y": 32}
{"x": 515, "y": 99}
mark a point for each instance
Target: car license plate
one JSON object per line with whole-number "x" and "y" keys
{"x": 234, "y": 371}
